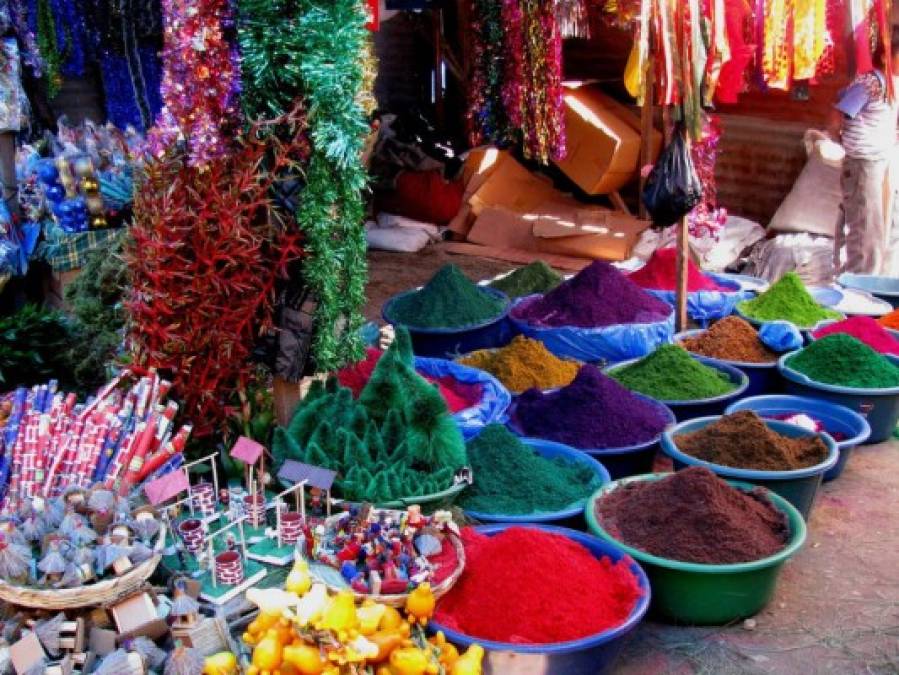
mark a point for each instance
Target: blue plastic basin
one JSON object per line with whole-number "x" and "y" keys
{"x": 880, "y": 407}
{"x": 826, "y": 297}
{"x": 798, "y": 486}
{"x": 764, "y": 378}
{"x": 685, "y": 410}
{"x": 837, "y": 419}
{"x": 573, "y": 513}
{"x": 885, "y": 288}
{"x": 448, "y": 343}
{"x": 587, "y": 656}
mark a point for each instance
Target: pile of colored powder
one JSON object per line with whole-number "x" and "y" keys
{"x": 593, "y": 412}
{"x": 743, "y": 440}
{"x": 694, "y": 516}
{"x": 660, "y": 274}
{"x": 865, "y": 329}
{"x": 671, "y": 374}
{"x": 730, "y": 339}
{"x": 599, "y": 295}
{"x": 890, "y": 320}
{"x": 510, "y": 478}
{"x": 787, "y": 300}
{"x": 538, "y": 277}
{"x": 448, "y": 300}
{"x": 524, "y": 364}
{"x": 527, "y": 586}
{"x": 458, "y": 395}
{"x": 845, "y": 361}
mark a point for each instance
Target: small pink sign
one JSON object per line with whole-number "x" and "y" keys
{"x": 167, "y": 486}
{"x": 247, "y": 450}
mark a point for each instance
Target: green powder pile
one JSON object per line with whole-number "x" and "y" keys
{"x": 448, "y": 300}
{"x": 511, "y": 479}
{"x": 843, "y": 360}
{"x": 787, "y": 300}
{"x": 671, "y": 374}
{"x": 538, "y": 277}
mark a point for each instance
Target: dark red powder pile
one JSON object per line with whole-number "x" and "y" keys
{"x": 593, "y": 412}
{"x": 694, "y": 516}
{"x": 458, "y": 395}
{"x": 599, "y": 295}
{"x": 660, "y": 274}
{"x": 528, "y": 586}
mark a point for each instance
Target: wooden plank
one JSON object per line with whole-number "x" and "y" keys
{"x": 683, "y": 258}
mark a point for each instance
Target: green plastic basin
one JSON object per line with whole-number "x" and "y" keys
{"x": 697, "y": 594}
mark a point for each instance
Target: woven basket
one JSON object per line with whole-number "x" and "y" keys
{"x": 103, "y": 592}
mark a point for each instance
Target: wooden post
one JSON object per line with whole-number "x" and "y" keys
{"x": 646, "y": 128}
{"x": 278, "y": 519}
{"x": 683, "y": 257}
{"x": 286, "y": 396}
{"x": 437, "y": 31}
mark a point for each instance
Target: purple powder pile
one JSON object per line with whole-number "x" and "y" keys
{"x": 599, "y": 295}
{"x": 593, "y": 412}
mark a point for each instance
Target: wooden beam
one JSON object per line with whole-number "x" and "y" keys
{"x": 647, "y": 113}
{"x": 683, "y": 257}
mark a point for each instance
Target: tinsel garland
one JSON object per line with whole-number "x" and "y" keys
{"x": 706, "y": 220}
{"x": 71, "y": 36}
{"x": 31, "y": 55}
{"x": 48, "y": 48}
{"x": 487, "y": 118}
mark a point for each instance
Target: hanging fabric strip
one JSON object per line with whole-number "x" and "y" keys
{"x": 835, "y": 11}
{"x": 572, "y": 18}
{"x": 777, "y": 47}
{"x": 638, "y": 60}
{"x": 810, "y": 29}
{"x": 733, "y": 72}
{"x": 882, "y": 12}
{"x": 668, "y": 48}
{"x": 860, "y": 29}
{"x": 718, "y": 48}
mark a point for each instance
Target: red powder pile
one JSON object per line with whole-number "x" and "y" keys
{"x": 865, "y": 329}
{"x": 660, "y": 274}
{"x": 528, "y": 586}
{"x": 458, "y": 395}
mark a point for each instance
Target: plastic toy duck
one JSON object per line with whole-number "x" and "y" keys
{"x": 305, "y": 659}
{"x": 312, "y": 605}
{"x": 340, "y": 615}
{"x": 267, "y": 654}
{"x": 420, "y": 603}
{"x": 223, "y": 663}
{"x": 412, "y": 661}
{"x": 299, "y": 580}
{"x": 470, "y": 663}
{"x": 370, "y": 615}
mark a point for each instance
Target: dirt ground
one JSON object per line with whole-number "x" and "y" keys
{"x": 836, "y": 609}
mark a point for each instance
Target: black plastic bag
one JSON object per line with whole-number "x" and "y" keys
{"x": 673, "y": 188}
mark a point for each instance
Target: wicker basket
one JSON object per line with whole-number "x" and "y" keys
{"x": 102, "y": 592}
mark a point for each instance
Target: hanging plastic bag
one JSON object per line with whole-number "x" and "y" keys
{"x": 673, "y": 187}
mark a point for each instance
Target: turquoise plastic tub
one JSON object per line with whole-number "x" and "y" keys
{"x": 885, "y": 288}
{"x": 574, "y": 513}
{"x": 588, "y": 656}
{"x": 798, "y": 486}
{"x": 837, "y": 420}
{"x": 764, "y": 378}
{"x": 880, "y": 407}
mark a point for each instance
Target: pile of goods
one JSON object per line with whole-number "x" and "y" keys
{"x": 660, "y": 274}
{"x": 524, "y": 364}
{"x": 448, "y": 300}
{"x": 730, "y": 339}
{"x": 529, "y": 586}
{"x": 671, "y": 374}
{"x": 787, "y": 300}
{"x": 396, "y": 440}
{"x": 890, "y": 320}
{"x": 538, "y": 277}
{"x": 593, "y": 412}
{"x": 843, "y": 360}
{"x": 694, "y": 516}
{"x": 743, "y": 440}
{"x": 511, "y": 478}
{"x": 863, "y": 328}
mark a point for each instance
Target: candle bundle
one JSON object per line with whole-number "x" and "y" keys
{"x": 119, "y": 437}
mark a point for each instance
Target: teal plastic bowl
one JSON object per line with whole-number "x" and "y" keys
{"x": 885, "y": 288}
{"x": 700, "y": 594}
{"x": 879, "y": 406}
{"x": 798, "y": 486}
{"x": 764, "y": 378}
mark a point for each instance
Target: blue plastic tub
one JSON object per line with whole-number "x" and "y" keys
{"x": 628, "y": 460}
{"x": 885, "y": 288}
{"x": 575, "y": 512}
{"x": 798, "y": 486}
{"x": 744, "y": 281}
{"x": 764, "y": 378}
{"x": 880, "y": 407}
{"x": 826, "y": 297}
{"x": 836, "y": 419}
{"x": 448, "y": 343}
{"x": 685, "y": 410}
{"x": 588, "y": 656}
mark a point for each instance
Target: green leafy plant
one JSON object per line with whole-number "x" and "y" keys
{"x": 33, "y": 347}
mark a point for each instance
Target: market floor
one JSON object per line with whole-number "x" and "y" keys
{"x": 836, "y": 608}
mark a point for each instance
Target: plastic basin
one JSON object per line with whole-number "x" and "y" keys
{"x": 573, "y": 514}
{"x": 744, "y": 281}
{"x": 797, "y": 486}
{"x": 764, "y": 378}
{"x": 587, "y": 656}
{"x": 694, "y": 593}
{"x": 626, "y": 460}
{"x": 885, "y": 288}
{"x": 826, "y": 297}
{"x": 447, "y": 343}
{"x": 685, "y": 410}
{"x": 879, "y": 406}
{"x": 836, "y": 419}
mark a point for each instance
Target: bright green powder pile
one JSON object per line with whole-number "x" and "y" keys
{"x": 538, "y": 277}
{"x": 842, "y": 360}
{"x": 787, "y": 300}
{"x": 671, "y": 374}
{"x": 448, "y": 300}
{"x": 511, "y": 479}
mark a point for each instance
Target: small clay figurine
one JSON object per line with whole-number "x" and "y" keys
{"x": 53, "y": 564}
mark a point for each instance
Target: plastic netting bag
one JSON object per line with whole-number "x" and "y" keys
{"x": 673, "y": 187}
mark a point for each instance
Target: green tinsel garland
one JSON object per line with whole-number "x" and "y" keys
{"x": 49, "y": 49}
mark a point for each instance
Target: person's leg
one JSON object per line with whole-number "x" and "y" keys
{"x": 866, "y": 233}
{"x": 848, "y": 207}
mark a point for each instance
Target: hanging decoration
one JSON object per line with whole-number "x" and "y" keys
{"x": 739, "y": 29}
{"x": 71, "y": 36}
{"x": 835, "y": 20}
{"x": 810, "y": 27}
{"x": 573, "y": 18}
{"x": 487, "y": 118}
{"x": 45, "y": 29}
{"x": 706, "y": 220}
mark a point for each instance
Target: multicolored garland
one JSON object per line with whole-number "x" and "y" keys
{"x": 706, "y": 220}
{"x": 487, "y": 119}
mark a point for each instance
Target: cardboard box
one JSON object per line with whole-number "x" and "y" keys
{"x": 511, "y": 186}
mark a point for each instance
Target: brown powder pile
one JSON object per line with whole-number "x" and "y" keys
{"x": 743, "y": 441}
{"x": 694, "y": 516}
{"x": 731, "y": 339}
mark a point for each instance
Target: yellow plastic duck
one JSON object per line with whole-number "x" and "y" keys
{"x": 305, "y": 659}
{"x": 470, "y": 663}
{"x": 223, "y": 663}
{"x": 448, "y": 652}
{"x": 299, "y": 580}
{"x": 370, "y": 615}
{"x": 311, "y": 606}
{"x": 267, "y": 654}
{"x": 412, "y": 661}
{"x": 420, "y": 603}
{"x": 340, "y": 615}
